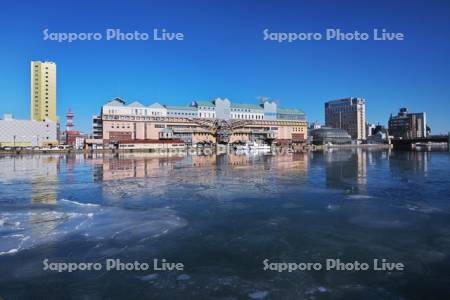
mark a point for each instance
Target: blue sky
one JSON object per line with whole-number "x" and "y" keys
{"x": 224, "y": 54}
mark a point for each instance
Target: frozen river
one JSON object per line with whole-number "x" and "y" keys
{"x": 221, "y": 217}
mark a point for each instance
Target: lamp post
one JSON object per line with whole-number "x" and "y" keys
{"x": 14, "y": 143}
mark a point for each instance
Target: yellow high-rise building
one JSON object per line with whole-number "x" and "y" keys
{"x": 43, "y": 91}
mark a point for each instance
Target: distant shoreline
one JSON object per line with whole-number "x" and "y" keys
{"x": 349, "y": 146}
{"x": 72, "y": 151}
{"x": 199, "y": 150}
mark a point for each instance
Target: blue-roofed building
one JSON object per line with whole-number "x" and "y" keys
{"x": 290, "y": 114}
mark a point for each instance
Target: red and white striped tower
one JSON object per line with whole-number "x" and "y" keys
{"x": 69, "y": 120}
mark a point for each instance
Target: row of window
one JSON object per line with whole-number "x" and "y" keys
{"x": 207, "y": 115}
{"x": 241, "y": 109}
{"x": 343, "y": 109}
{"x": 297, "y": 129}
{"x": 139, "y": 112}
{"x": 247, "y": 117}
{"x": 232, "y": 109}
{"x": 128, "y": 118}
{"x": 180, "y": 126}
{"x": 118, "y": 126}
{"x": 182, "y": 114}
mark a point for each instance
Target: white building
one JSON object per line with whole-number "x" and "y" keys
{"x": 180, "y": 111}
{"x": 247, "y": 111}
{"x": 219, "y": 108}
{"x": 117, "y": 109}
{"x": 223, "y": 108}
{"x": 79, "y": 142}
{"x": 370, "y": 128}
{"x": 27, "y": 133}
{"x": 205, "y": 109}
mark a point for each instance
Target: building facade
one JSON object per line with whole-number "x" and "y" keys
{"x": 290, "y": 114}
{"x": 406, "y": 125}
{"x": 325, "y": 135}
{"x": 224, "y": 109}
{"x": 27, "y": 133}
{"x": 201, "y": 122}
{"x": 348, "y": 114}
{"x": 242, "y": 111}
{"x": 370, "y": 129}
{"x": 133, "y": 111}
{"x": 43, "y": 91}
{"x": 179, "y": 111}
{"x": 205, "y": 109}
{"x": 97, "y": 127}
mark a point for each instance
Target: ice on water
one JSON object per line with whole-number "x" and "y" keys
{"x": 22, "y": 229}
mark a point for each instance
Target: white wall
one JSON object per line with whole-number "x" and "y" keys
{"x": 33, "y": 133}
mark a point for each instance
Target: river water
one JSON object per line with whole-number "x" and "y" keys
{"x": 221, "y": 217}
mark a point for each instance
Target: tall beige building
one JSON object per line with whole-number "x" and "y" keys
{"x": 43, "y": 91}
{"x": 348, "y": 114}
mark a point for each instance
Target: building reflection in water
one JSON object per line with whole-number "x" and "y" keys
{"x": 344, "y": 168}
{"x": 44, "y": 182}
{"x": 38, "y": 172}
{"x": 163, "y": 171}
{"x": 139, "y": 165}
{"x": 405, "y": 163}
{"x": 114, "y": 167}
{"x": 158, "y": 168}
{"x": 39, "y": 176}
{"x": 295, "y": 162}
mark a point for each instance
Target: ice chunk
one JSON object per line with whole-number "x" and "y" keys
{"x": 258, "y": 295}
{"x": 150, "y": 277}
{"x": 183, "y": 277}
